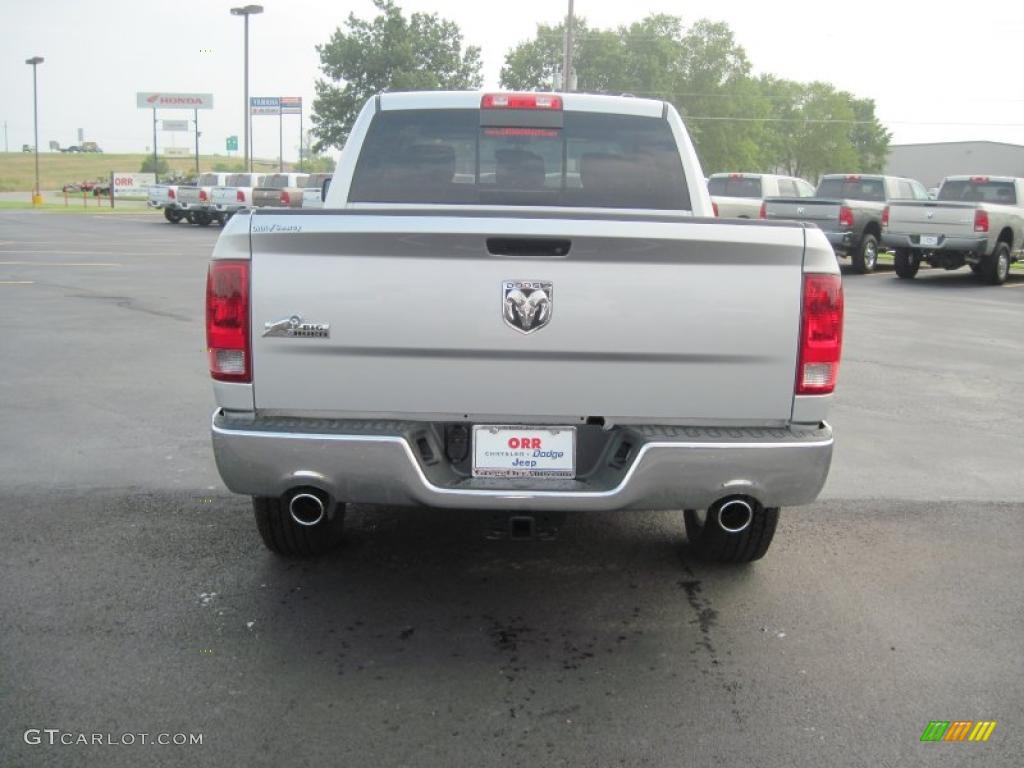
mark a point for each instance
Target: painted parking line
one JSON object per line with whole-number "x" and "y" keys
{"x": 49, "y": 252}
{"x": 17, "y": 282}
{"x": 58, "y": 264}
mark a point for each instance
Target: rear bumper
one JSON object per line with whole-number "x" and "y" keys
{"x": 841, "y": 242}
{"x": 376, "y": 462}
{"x": 969, "y": 243}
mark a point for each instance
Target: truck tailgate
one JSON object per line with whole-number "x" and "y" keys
{"x": 803, "y": 209}
{"x": 938, "y": 218}
{"x": 661, "y": 319}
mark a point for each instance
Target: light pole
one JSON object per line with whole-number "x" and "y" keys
{"x": 247, "y": 11}
{"x": 35, "y": 61}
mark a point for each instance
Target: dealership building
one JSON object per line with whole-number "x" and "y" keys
{"x": 930, "y": 163}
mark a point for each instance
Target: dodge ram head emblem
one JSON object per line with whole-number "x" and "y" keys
{"x": 294, "y": 328}
{"x": 526, "y": 304}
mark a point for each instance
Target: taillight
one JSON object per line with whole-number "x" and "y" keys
{"x": 821, "y": 335}
{"x": 286, "y": 199}
{"x": 980, "y": 221}
{"x": 845, "y": 217}
{"x": 171, "y": 195}
{"x": 885, "y": 216}
{"x": 239, "y": 196}
{"x": 202, "y": 195}
{"x": 763, "y": 213}
{"x": 520, "y": 101}
{"x": 227, "y": 321}
{"x": 714, "y": 208}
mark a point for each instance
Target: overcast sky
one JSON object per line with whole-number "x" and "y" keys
{"x": 938, "y": 71}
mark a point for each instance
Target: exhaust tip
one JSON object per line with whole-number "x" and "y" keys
{"x": 306, "y": 508}
{"x": 735, "y": 515}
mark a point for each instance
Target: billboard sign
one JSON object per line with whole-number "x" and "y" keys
{"x": 132, "y": 184}
{"x": 160, "y": 100}
{"x": 175, "y": 125}
{"x": 264, "y": 105}
{"x": 291, "y": 105}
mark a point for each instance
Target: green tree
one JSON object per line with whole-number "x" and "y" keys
{"x": 391, "y": 52}
{"x": 737, "y": 122}
{"x": 160, "y": 167}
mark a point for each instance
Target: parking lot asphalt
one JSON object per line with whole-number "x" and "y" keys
{"x": 135, "y": 595}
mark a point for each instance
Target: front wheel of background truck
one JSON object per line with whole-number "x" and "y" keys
{"x": 906, "y": 263}
{"x": 996, "y": 266}
{"x": 708, "y": 540}
{"x": 281, "y": 534}
{"x": 866, "y": 256}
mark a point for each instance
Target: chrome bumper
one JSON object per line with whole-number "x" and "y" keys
{"x": 375, "y": 462}
{"x": 965, "y": 243}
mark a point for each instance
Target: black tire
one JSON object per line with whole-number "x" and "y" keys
{"x": 220, "y": 217}
{"x": 203, "y": 219}
{"x": 711, "y": 543}
{"x": 865, "y": 259}
{"x": 172, "y": 216}
{"x": 190, "y": 217}
{"x": 906, "y": 263}
{"x": 996, "y": 266}
{"x": 284, "y": 536}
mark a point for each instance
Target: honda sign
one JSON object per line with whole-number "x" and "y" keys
{"x": 159, "y": 100}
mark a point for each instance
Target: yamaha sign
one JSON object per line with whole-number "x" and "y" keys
{"x": 160, "y": 100}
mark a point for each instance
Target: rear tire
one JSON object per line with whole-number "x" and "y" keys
{"x": 906, "y": 264}
{"x": 866, "y": 258}
{"x": 996, "y": 266}
{"x": 709, "y": 542}
{"x": 172, "y": 216}
{"x": 202, "y": 219}
{"x": 284, "y": 536}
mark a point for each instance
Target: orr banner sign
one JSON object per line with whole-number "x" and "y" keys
{"x": 131, "y": 184}
{"x": 161, "y": 100}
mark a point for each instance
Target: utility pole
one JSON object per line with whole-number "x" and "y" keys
{"x": 567, "y": 79}
{"x": 5, "y": 138}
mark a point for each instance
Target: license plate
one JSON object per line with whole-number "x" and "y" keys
{"x": 929, "y": 240}
{"x": 510, "y": 451}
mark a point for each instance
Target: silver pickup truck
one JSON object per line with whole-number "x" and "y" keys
{"x": 521, "y": 302}
{"x": 236, "y": 192}
{"x": 848, "y": 208}
{"x": 197, "y": 200}
{"x": 976, "y": 220}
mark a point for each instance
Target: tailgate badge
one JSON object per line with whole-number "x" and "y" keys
{"x": 800, "y": 211}
{"x": 294, "y": 328}
{"x": 526, "y": 305}
{"x": 930, "y": 214}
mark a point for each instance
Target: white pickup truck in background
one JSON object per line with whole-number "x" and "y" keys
{"x": 165, "y": 197}
{"x": 975, "y": 220}
{"x": 521, "y": 301}
{"x": 741, "y": 195}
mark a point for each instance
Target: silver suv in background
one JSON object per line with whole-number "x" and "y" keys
{"x": 741, "y": 195}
